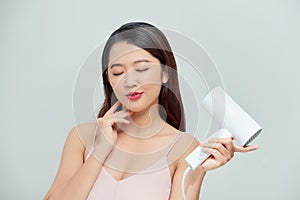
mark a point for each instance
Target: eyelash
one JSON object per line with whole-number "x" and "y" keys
{"x": 117, "y": 74}
{"x": 142, "y": 70}
{"x": 138, "y": 70}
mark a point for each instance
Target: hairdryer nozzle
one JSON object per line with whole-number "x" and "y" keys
{"x": 231, "y": 116}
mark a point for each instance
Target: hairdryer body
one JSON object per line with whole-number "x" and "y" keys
{"x": 235, "y": 123}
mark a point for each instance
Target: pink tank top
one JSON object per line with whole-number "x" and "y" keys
{"x": 151, "y": 185}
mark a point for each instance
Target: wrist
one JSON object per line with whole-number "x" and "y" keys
{"x": 201, "y": 170}
{"x": 102, "y": 151}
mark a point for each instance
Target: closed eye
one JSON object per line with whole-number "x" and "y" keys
{"x": 117, "y": 74}
{"x": 142, "y": 70}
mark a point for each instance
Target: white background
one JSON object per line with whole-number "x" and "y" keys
{"x": 255, "y": 45}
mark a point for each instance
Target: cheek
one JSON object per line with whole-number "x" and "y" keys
{"x": 117, "y": 86}
{"x": 152, "y": 90}
{"x": 151, "y": 77}
{"x": 114, "y": 82}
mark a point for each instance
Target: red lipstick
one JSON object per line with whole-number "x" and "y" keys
{"x": 134, "y": 95}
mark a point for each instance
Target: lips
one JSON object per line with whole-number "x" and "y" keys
{"x": 134, "y": 95}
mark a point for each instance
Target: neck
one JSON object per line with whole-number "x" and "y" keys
{"x": 144, "y": 124}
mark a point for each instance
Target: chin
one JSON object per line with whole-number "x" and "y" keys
{"x": 136, "y": 109}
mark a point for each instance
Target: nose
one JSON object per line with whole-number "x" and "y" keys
{"x": 131, "y": 79}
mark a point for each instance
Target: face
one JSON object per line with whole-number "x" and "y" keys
{"x": 135, "y": 76}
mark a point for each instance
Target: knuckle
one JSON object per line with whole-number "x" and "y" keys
{"x": 221, "y": 162}
{"x": 224, "y": 161}
{"x": 229, "y": 140}
{"x": 100, "y": 120}
{"x": 217, "y": 145}
{"x": 228, "y": 158}
{"x": 214, "y": 151}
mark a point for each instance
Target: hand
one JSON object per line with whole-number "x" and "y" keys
{"x": 107, "y": 132}
{"x": 221, "y": 150}
{"x": 245, "y": 149}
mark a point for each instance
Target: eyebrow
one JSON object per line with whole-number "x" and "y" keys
{"x": 116, "y": 65}
{"x": 141, "y": 60}
{"x": 135, "y": 62}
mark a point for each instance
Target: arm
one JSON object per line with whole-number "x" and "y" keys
{"x": 193, "y": 180}
{"x": 221, "y": 150}
{"x": 74, "y": 178}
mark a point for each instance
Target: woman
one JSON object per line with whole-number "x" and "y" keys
{"x": 137, "y": 147}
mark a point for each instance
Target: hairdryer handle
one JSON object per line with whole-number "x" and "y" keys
{"x": 197, "y": 157}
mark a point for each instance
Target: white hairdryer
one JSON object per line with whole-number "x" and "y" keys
{"x": 235, "y": 122}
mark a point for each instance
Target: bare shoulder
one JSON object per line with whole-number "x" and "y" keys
{"x": 79, "y": 137}
{"x": 191, "y": 141}
{"x": 83, "y": 134}
{"x": 84, "y": 128}
{"x": 72, "y": 155}
{"x": 186, "y": 141}
{"x": 184, "y": 145}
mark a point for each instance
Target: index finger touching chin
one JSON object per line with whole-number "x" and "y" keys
{"x": 114, "y": 107}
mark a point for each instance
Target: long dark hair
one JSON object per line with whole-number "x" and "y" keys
{"x": 151, "y": 39}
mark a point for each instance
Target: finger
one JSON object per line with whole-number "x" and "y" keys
{"x": 121, "y": 120}
{"x": 113, "y": 108}
{"x": 110, "y": 121}
{"x": 107, "y": 121}
{"x": 122, "y": 114}
{"x": 218, "y": 146}
{"x": 227, "y": 142}
{"x": 224, "y": 141}
{"x": 216, "y": 154}
{"x": 124, "y": 108}
{"x": 109, "y": 118}
{"x": 220, "y": 140}
{"x": 245, "y": 149}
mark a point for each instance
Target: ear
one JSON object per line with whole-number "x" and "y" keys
{"x": 165, "y": 76}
